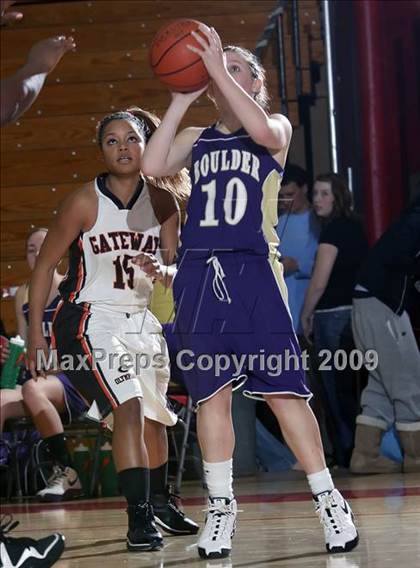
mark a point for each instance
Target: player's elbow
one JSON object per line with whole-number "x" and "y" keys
{"x": 271, "y": 137}
{"x": 150, "y": 168}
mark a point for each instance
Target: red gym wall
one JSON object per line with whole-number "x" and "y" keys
{"x": 388, "y": 36}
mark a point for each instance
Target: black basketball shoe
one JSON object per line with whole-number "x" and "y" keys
{"x": 142, "y": 532}
{"x": 28, "y": 552}
{"x": 169, "y": 516}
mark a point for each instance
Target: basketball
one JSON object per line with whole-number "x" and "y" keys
{"x": 173, "y": 63}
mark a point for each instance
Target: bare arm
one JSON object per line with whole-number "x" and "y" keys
{"x": 324, "y": 263}
{"x": 273, "y": 131}
{"x": 71, "y": 219}
{"x": 21, "y": 90}
{"x": 169, "y": 236}
{"x": 166, "y": 152}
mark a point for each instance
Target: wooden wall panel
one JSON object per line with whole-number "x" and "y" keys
{"x": 81, "y": 67}
{"x": 76, "y": 131}
{"x": 128, "y": 35}
{"x": 310, "y": 18}
{"x": 17, "y": 232}
{"x": 105, "y": 11}
{"x": 46, "y": 167}
{"x": 33, "y": 202}
{"x": 14, "y": 273}
{"x": 17, "y": 272}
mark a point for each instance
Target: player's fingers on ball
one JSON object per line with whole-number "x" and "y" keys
{"x": 193, "y": 49}
{"x": 199, "y": 38}
{"x": 205, "y": 30}
{"x": 214, "y": 35}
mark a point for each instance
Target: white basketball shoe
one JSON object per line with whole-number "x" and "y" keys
{"x": 62, "y": 485}
{"x": 215, "y": 539}
{"x": 336, "y": 517}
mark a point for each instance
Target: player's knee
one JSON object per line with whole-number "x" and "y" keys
{"x": 129, "y": 412}
{"x": 31, "y": 392}
{"x": 281, "y": 402}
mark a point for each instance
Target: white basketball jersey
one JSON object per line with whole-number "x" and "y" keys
{"x": 100, "y": 268}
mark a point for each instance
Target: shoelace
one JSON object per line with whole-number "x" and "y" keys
{"x": 219, "y": 515}
{"x": 7, "y": 524}
{"x": 334, "y": 520}
{"x": 219, "y": 287}
{"x": 57, "y": 476}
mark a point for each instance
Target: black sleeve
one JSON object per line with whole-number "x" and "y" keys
{"x": 399, "y": 246}
{"x": 334, "y": 233}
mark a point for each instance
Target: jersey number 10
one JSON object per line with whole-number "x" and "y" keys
{"x": 234, "y": 206}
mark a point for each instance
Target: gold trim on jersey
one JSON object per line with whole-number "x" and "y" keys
{"x": 270, "y": 194}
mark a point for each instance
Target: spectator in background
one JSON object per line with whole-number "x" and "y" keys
{"x": 328, "y": 302}
{"x": 19, "y": 91}
{"x": 49, "y": 399}
{"x": 298, "y": 231}
{"x": 380, "y": 322}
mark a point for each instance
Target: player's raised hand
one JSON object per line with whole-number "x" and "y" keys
{"x": 8, "y": 17}
{"x": 45, "y": 54}
{"x": 188, "y": 98}
{"x": 211, "y": 50}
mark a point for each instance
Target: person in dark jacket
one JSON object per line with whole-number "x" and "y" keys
{"x": 387, "y": 283}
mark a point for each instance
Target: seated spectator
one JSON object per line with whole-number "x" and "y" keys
{"x": 387, "y": 281}
{"x": 298, "y": 231}
{"x": 50, "y": 399}
{"x": 328, "y": 302}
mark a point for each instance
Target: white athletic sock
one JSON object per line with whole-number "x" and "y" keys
{"x": 320, "y": 482}
{"x": 218, "y": 478}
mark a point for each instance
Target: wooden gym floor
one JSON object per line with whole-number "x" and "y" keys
{"x": 277, "y": 526}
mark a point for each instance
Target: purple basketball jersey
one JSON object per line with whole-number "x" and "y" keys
{"x": 235, "y": 184}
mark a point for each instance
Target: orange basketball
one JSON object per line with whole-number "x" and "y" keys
{"x": 173, "y": 63}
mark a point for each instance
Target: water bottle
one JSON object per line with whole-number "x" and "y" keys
{"x": 108, "y": 474}
{"x": 82, "y": 464}
{"x": 11, "y": 367}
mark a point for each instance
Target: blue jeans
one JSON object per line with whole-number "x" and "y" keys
{"x": 332, "y": 331}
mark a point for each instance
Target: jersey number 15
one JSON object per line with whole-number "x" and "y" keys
{"x": 123, "y": 269}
